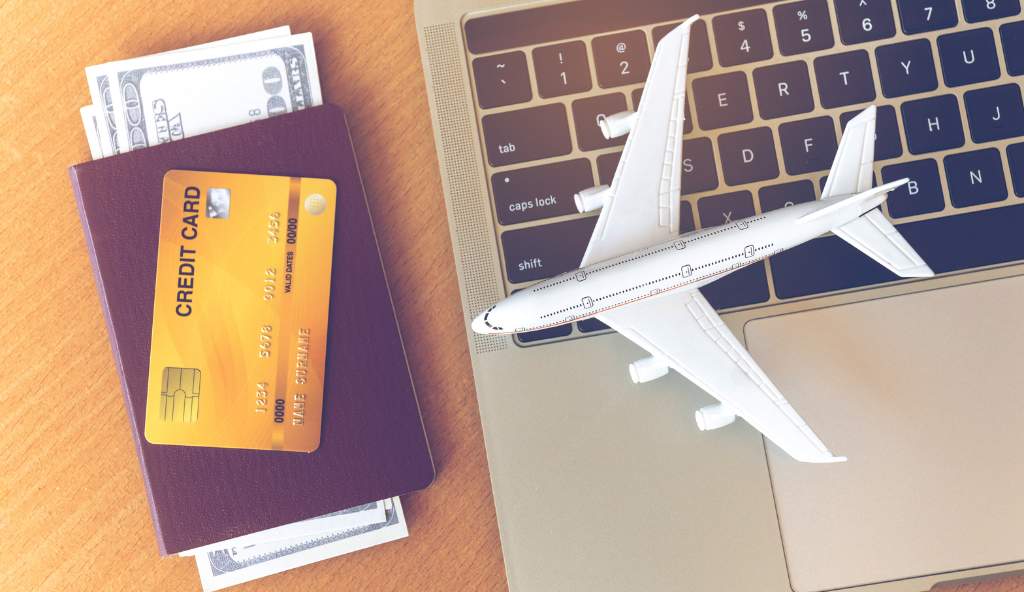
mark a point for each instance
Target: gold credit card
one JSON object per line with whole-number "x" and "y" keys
{"x": 240, "y": 312}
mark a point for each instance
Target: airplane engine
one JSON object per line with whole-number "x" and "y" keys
{"x": 618, "y": 125}
{"x": 647, "y": 369}
{"x": 713, "y": 417}
{"x": 592, "y": 199}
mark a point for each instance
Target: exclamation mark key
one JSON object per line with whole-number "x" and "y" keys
{"x": 561, "y": 69}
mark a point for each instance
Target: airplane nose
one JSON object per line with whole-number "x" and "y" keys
{"x": 478, "y": 324}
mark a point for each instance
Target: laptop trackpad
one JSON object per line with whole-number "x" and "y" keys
{"x": 923, "y": 393}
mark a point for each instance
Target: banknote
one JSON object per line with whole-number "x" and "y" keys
{"x": 167, "y": 97}
{"x": 229, "y": 566}
{"x": 92, "y": 131}
{"x": 102, "y": 108}
{"x": 348, "y": 519}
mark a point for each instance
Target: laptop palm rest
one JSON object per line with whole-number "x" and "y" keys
{"x": 923, "y": 393}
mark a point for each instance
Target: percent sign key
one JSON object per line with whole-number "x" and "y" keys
{"x": 803, "y": 27}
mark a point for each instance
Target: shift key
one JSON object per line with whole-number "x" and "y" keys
{"x": 527, "y": 134}
{"x": 540, "y": 252}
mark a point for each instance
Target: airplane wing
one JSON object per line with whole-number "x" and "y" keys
{"x": 852, "y": 168}
{"x": 644, "y": 205}
{"x": 684, "y": 332}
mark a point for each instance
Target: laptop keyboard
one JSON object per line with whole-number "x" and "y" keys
{"x": 770, "y": 88}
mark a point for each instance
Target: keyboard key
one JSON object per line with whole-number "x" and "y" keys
{"x": 920, "y": 16}
{"x": 921, "y": 195}
{"x": 742, "y": 37}
{"x": 686, "y": 223}
{"x": 538, "y": 192}
{"x": 906, "y": 68}
{"x": 502, "y": 80}
{"x": 968, "y": 57}
{"x": 726, "y": 208}
{"x": 808, "y": 145}
{"x": 864, "y": 20}
{"x": 947, "y": 243}
{"x": 621, "y": 58}
{"x": 687, "y": 122}
{"x": 742, "y": 287}
{"x": 540, "y": 252}
{"x": 887, "y": 132}
{"x": 803, "y": 26}
{"x": 975, "y": 177}
{"x": 976, "y": 11}
{"x": 1015, "y": 156}
{"x": 748, "y": 156}
{"x": 606, "y": 164}
{"x": 527, "y": 134}
{"x": 783, "y": 90}
{"x": 995, "y": 113}
{"x": 700, "y": 48}
{"x": 585, "y": 113}
{"x": 1012, "y": 35}
{"x": 721, "y": 101}
{"x": 932, "y": 124}
{"x": 698, "y": 170}
{"x": 844, "y": 79}
{"x": 561, "y": 69}
{"x": 776, "y": 197}
{"x": 590, "y": 325}
{"x": 543, "y": 334}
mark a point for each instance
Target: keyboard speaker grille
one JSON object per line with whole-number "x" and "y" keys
{"x": 468, "y": 203}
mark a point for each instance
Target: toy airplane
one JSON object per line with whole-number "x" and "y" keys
{"x": 641, "y": 277}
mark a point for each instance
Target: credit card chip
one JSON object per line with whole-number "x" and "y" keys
{"x": 179, "y": 396}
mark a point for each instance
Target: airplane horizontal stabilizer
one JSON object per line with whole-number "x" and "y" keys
{"x": 873, "y": 235}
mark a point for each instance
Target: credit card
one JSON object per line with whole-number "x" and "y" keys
{"x": 240, "y": 311}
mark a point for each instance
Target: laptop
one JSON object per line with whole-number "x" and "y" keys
{"x": 600, "y": 484}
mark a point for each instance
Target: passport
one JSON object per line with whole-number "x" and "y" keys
{"x": 372, "y": 442}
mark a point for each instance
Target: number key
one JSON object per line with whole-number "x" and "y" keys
{"x": 742, "y": 37}
{"x": 502, "y": 80}
{"x": 864, "y": 20}
{"x": 621, "y": 58}
{"x": 561, "y": 69}
{"x": 700, "y": 48}
{"x": 920, "y": 16}
{"x": 803, "y": 26}
{"x": 976, "y": 11}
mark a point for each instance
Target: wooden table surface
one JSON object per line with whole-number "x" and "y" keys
{"x": 73, "y": 512}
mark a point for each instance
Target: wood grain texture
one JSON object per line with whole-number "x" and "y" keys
{"x": 73, "y": 514}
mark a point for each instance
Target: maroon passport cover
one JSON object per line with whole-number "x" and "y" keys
{"x": 372, "y": 443}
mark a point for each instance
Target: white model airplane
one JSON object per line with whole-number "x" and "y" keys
{"x": 641, "y": 277}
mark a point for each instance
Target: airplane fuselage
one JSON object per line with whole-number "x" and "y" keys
{"x": 690, "y": 261}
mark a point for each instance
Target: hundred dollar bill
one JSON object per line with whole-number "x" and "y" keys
{"x": 356, "y": 517}
{"x": 102, "y": 97}
{"x": 92, "y": 132}
{"x": 168, "y": 97}
{"x": 233, "y": 565}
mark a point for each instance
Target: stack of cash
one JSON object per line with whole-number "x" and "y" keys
{"x": 173, "y": 95}
{"x": 168, "y": 96}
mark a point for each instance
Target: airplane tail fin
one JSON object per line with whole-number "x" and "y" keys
{"x": 851, "y": 171}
